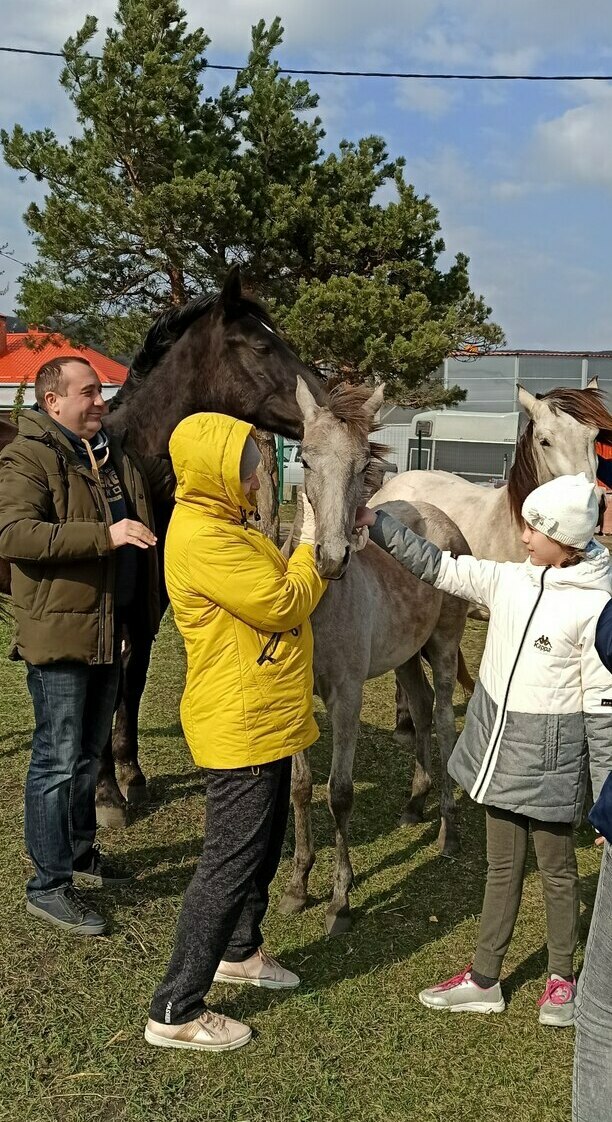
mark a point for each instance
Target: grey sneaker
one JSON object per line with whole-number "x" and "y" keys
{"x": 461, "y": 995}
{"x": 209, "y": 1033}
{"x": 66, "y": 909}
{"x": 258, "y": 970}
{"x": 98, "y": 871}
{"x": 557, "y": 1002}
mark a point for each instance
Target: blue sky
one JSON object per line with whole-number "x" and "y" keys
{"x": 521, "y": 172}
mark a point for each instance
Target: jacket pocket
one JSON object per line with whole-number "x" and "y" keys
{"x": 551, "y": 743}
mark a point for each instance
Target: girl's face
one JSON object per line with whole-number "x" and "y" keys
{"x": 543, "y": 550}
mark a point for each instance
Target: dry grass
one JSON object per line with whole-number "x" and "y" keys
{"x": 353, "y": 1043}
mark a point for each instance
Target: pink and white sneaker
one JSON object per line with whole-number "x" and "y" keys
{"x": 461, "y": 995}
{"x": 557, "y": 1002}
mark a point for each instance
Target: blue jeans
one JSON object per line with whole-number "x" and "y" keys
{"x": 593, "y": 1055}
{"x": 73, "y": 709}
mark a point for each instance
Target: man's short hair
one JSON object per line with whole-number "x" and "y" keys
{"x": 50, "y": 377}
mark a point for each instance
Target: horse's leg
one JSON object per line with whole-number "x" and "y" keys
{"x": 420, "y": 698}
{"x": 136, "y": 657}
{"x": 404, "y": 726}
{"x": 442, "y": 651}
{"x": 111, "y": 807}
{"x": 295, "y": 897}
{"x": 344, "y": 712}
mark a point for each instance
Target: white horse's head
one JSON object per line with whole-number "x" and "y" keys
{"x": 564, "y": 428}
{"x": 337, "y": 456}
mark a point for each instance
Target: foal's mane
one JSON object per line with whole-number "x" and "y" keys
{"x": 169, "y": 327}
{"x": 346, "y": 401}
{"x": 585, "y": 406}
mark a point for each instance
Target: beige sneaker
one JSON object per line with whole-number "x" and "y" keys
{"x": 209, "y": 1033}
{"x": 258, "y": 970}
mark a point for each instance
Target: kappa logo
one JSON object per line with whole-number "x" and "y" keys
{"x": 543, "y": 644}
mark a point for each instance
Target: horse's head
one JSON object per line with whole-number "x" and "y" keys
{"x": 337, "y": 456}
{"x": 558, "y": 440}
{"x": 563, "y": 433}
{"x": 255, "y": 363}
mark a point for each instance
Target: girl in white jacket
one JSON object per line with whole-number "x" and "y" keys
{"x": 541, "y": 709}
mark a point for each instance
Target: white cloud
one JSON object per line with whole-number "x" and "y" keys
{"x": 575, "y": 147}
{"x": 431, "y": 98}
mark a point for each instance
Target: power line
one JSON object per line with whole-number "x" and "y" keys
{"x": 10, "y": 257}
{"x": 370, "y": 73}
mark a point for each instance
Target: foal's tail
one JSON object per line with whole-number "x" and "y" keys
{"x": 463, "y": 675}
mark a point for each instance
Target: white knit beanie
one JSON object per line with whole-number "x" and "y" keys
{"x": 565, "y": 509}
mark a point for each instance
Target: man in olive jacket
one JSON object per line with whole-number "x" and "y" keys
{"x": 77, "y": 526}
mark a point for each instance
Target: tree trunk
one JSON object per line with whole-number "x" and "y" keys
{"x": 267, "y": 498}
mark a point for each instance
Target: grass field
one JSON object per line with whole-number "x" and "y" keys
{"x": 353, "y": 1043}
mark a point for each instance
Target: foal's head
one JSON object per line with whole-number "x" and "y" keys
{"x": 337, "y": 457}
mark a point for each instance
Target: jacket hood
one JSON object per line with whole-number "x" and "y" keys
{"x": 206, "y": 449}
{"x": 594, "y": 572}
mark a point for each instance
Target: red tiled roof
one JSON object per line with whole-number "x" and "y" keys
{"x": 22, "y": 360}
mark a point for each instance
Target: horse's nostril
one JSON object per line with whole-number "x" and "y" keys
{"x": 347, "y": 554}
{"x": 317, "y": 553}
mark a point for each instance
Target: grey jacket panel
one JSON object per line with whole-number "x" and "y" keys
{"x": 541, "y": 770}
{"x": 420, "y": 556}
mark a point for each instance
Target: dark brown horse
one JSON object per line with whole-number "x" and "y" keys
{"x": 217, "y": 353}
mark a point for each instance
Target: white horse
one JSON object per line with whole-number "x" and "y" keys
{"x": 558, "y": 440}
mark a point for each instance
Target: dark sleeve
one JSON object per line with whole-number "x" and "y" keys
{"x": 604, "y": 471}
{"x": 603, "y": 636}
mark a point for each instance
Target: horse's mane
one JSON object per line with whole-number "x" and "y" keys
{"x": 585, "y": 406}
{"x": 346, "y": 402}
{"x": 168, "y": 328}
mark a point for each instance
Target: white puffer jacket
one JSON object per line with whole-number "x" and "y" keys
{"x": 543, "y": 702}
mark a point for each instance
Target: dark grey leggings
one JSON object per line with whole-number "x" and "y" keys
{"x": 246, "y": 819}
{"x": 593, "y": 1056}
{"x": 507, "y": 837}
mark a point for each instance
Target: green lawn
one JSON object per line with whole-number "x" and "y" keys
{"x": 353, "y": 1043}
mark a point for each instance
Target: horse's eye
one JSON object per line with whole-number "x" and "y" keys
{"x": 261, "y": 348}
{"x": 545, "y": 443}
{"x": 305, "y": 465}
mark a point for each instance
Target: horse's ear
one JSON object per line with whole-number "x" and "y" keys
{"x": 529, "y": 403}
{"x": 373, "y": 404}
{"x": 232, "y": 289}
{"x": 305, "y": 400}
{"x": 593, "y": 383}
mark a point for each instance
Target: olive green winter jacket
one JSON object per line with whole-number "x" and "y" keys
{"x": 54, "y": 529}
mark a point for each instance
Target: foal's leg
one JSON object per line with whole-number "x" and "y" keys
{"x": 404, "y": 725}
{"x": 295, "y": 896}
{"x": 420, "y": 697}
{"x": 443, "y": 653}
{"x": 344, "y": 712}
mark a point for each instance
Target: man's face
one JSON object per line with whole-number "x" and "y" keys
{"x": 80, "y": 405}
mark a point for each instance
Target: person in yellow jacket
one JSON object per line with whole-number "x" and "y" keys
{"x": 243, "y": 612}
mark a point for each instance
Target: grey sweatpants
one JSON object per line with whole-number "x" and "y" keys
{"x": 225, "y": 902}
{"x": 507, "y": 837}
{"x": 593, "y": 1055}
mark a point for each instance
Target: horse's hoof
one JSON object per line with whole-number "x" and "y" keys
{"x": 338, "y": 922}
{"x": 290, "y": 905}
{"x": 411, "y": 818}
{"x": 403, "y": 736}
{"x": 114, "y": 816}
{"x": 450, "y": 848}
{"x": 135, "y": 794}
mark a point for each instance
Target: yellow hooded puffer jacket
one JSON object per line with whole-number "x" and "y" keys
{"x": 242, "y": 609}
